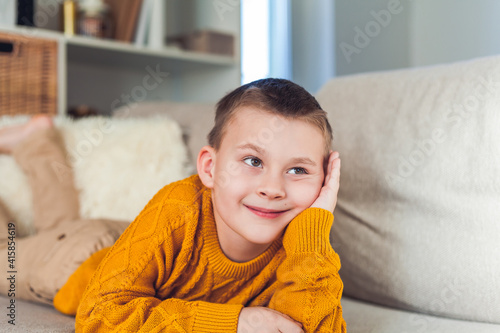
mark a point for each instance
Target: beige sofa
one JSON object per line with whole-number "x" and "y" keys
{"x": 418, "y": 217}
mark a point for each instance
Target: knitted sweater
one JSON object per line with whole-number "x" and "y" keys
{"x": 168, "y": 272}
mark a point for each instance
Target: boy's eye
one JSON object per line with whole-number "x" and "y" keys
{"x": 252, "y": 161}
{"x": 298, "y": 171}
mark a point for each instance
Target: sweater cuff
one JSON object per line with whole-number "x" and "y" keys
{"x": 309, "y": 232}
{"x": 215, "y": 317}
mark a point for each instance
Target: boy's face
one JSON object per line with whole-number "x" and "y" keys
{"x": 267, "y": 170}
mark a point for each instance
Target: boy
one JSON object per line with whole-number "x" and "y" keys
{"x": 244, "y": 245}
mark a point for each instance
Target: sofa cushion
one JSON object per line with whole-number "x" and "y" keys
{"x": 45, "y": 261}
{"x": 362, "y": 317}
{"x": 119, "y": 165}
{"x": 418, "y": 217}
{"x": 36, "y": 318}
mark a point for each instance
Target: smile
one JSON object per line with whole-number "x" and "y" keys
{"x": 266, "y": 213}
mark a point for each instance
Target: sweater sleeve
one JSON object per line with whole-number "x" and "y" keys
{"x": 310, "y": 288}
{"x": 122, "y": 295}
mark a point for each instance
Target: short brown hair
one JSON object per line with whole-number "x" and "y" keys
{"x": 277, "y": 96}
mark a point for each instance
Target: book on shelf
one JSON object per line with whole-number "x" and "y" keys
{"x": 141, "y": 22}
{"x": 141, "y": 32}
{"x": 156, "y": 36}
{"x": 151, "y": 24}
{"x": 8, "y": 13}
{"x": 125, "y": 16}
{"x": 25, "y": 12}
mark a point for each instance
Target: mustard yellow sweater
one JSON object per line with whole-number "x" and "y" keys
{"x": 168, "y": 273}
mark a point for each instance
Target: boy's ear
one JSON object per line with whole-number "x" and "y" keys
{"x": 205, "y": 166}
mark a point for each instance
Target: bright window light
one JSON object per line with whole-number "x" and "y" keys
{"x": 254, "y": 40}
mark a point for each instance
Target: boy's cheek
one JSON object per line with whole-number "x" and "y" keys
{"x": 306, "y": 195}
{"x": 230, "y": 172}
{"x": 232, "y": 168}
{"x": 231, "y": 184}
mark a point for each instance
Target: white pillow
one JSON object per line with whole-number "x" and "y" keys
{"x": 196, "y": 119}
{"x": 119, "y": 165}
{"x": 417, "y": 225}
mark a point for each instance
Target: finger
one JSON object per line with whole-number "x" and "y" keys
{"x": 278, "y": 313}
{"x": 291, "y": 319}
{"x": 335, "y": 175}
{"x": 336, "y": 166}
{"x": 331, "y": 189}
{"x": 288, "y": 325}
{"x": 329, "y": 168}
{"x": 281, "y": 316}
{"x": 332, "y": 164}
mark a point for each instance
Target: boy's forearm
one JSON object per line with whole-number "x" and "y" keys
{"x": 123, "y": 297}
{"x": 312, "y": 287}
{"x": 145, "y": 314}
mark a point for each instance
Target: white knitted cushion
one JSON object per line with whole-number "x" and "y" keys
{"x": 417, "y": 225}
{"x": 119, "y": 165}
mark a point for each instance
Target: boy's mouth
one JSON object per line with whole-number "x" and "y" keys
{"x": 266, "y": 213}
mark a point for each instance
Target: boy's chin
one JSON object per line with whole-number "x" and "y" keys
{"x": 260, "y": 239}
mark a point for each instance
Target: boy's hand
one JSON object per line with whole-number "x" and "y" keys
{"x": 265, "y": 320}
{"x": 327, "y": 198}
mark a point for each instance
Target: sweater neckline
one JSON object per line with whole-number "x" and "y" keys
{"x": 216, "y": 257}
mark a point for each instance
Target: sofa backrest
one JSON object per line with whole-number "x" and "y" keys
{"x": 417, "y": 222}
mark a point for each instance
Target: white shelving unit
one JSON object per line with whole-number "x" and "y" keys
{"x": 107, "y": 74}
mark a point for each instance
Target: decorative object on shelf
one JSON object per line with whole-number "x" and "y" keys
{"x": 68, "y": 17}
{"x": 7, "y": 13}
{"x": 206, "y": 41}
{"x": 125, "y": 14}
{"x": 25, "y": 12}
{"x": 94, "y": 19}
{"x": 28, "y": 83}
{"x": 82, "y": 111}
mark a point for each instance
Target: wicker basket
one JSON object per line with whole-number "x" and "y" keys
{"x": 28, "y": 75}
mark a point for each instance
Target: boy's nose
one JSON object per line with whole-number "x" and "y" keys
{"x": 271, "y": 188}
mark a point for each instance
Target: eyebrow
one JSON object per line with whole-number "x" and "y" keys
{"x": 303, "y": 160}
{"x": 296, "y": 160}
{"x": 252, "y": 147}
